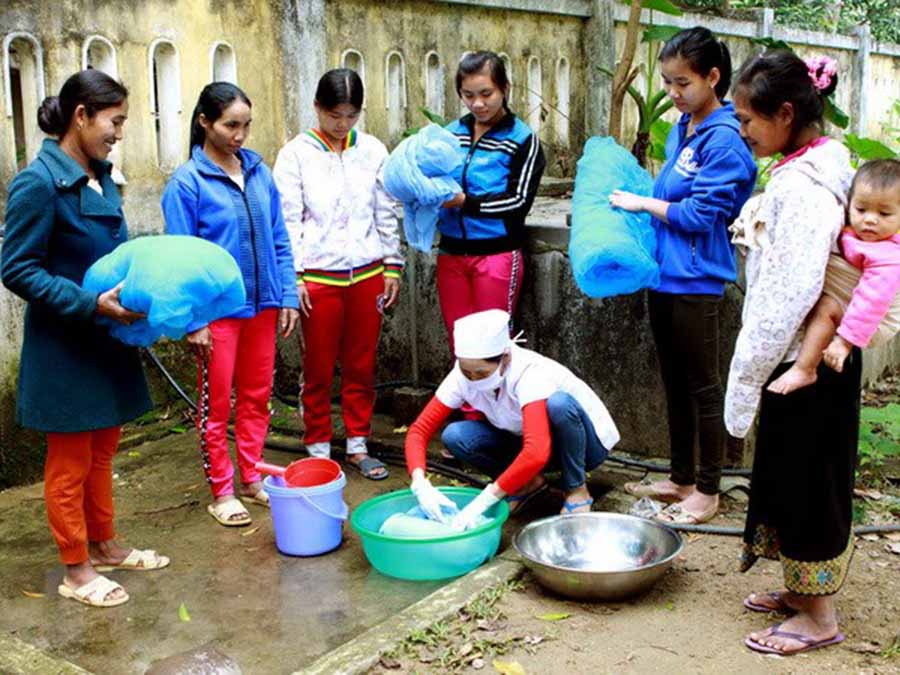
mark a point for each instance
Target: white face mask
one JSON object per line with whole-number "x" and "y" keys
{"x": 489, "y": 383}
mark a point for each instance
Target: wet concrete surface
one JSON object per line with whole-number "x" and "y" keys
{"x": 267, "y": 612}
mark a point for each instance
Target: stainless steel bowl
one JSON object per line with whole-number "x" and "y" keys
{"x": 597, "y": 556}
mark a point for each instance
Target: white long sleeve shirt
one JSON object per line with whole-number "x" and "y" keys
{"x": 336, "y": 210}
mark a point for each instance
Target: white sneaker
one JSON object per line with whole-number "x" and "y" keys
{"x": 319, "y": 450}
{"x": 356, "y": 445}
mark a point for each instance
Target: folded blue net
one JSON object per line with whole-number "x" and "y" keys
{"x": 418, "y": 173}
{"x": 612, "y": 251}
{"x": 177, "y": 281}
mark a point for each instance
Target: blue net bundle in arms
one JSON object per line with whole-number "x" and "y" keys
{"x": 180, "y": 282}
{"x": 612, "y": 251}
{"x": 418, "y": 173}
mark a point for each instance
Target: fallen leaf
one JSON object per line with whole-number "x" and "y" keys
{"x": 865, "y": 648}
{"x": 427, "y": 657}
{"x": 183, "y": 613}
{"x": 694, "y": 537}
{"x": 869, "y": 537}
{"x": 177, "y": 430}
{"x": 389, "y": 663}
{"x": 554, "y": 616}
{"x": 533, "y": 639}
{"x": 477, "y": 664}
{"x": 892, "y": 536}
{"x": 134, "y": 453}
{"x": 32, "y": 594}
{"x": 670, "y": 605}
{"x": 508, "y": 667}
{"x": 401, "y": 430}
{"x": 893, "y": 548}
{"x": 466, "y": 649}
{"x": 249, "y": 532}
{"x": 868, "y": 494}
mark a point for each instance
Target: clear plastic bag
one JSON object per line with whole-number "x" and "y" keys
{"x": 646, "y": 508}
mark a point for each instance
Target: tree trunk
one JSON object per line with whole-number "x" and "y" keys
{"x": 640, "y": 147}
{"x": 624, "y": 74}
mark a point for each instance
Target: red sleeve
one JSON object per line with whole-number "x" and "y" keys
{"x": 536, "y": 444}
{"x": 425, "y": 426}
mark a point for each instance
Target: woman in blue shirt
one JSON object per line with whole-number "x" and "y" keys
{"x": 225, "y": 194}
{"x": 708, "y": 176}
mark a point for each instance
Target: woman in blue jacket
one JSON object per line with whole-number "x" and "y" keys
{"x": 708, "y": 176}
{"x": 482, "y": 228}
{"x": 77, "y": 383}
{"x": 225, "y": 194}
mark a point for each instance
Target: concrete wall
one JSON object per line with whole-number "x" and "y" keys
{"x": 414, "y": 29}
{"x": 192, "y": 27}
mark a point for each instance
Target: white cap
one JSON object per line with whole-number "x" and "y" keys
{"x": 481, "y": 335}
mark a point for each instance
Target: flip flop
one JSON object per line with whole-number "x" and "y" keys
{"x": 645, "y": 489}
{"x": 142, "y": 561}
{"x": 94, "y": 593}
{"x": 261, "y": 498}
{"x": 675, "y": 513}
{"x": 223, "y": 512}
{"x": 811, "y": 643}
{"x": 518, "y": 503}
{"x": 776, "y": 596}
{"x": 368, "y": 466}
{"x": 571, "y": 506}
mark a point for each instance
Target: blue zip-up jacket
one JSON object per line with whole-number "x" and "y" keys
{"x": 201, "y": 200}
{"x": 707, "y": 178}
{"x": 499, "y": 175}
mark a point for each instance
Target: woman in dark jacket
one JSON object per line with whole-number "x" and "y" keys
{"x": 76, "y": 383}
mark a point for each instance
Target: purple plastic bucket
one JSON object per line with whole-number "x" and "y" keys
{"x": 307, "y": 520}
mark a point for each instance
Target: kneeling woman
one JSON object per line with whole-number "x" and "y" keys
{"x": 537, "y": 414}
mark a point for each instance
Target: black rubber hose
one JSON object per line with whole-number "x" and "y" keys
{"x": 739, "y": 531}
{"x": 666, "y": 468}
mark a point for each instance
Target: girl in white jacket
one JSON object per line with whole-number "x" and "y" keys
{"x": 346, "y": 246}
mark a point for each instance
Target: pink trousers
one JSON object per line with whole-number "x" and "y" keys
{"x": 474, "y": 283}
{"x": 243, "y": 357}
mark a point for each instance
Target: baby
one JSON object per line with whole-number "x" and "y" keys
{"x": 860, "y": 303}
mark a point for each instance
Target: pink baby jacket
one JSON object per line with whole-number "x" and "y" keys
{"x": 879, "y": 262}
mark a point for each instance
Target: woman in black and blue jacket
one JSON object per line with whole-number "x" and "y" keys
{"x": 482, "y": 228}
{"x": 708, "y": 176}
{"x": 225, "y": 194}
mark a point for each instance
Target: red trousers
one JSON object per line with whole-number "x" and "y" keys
{"x": 78, "y": 490}
{"x": 343, "y": 326}
{"x": 474, "y": 283}
{"x": 243, "y": 357}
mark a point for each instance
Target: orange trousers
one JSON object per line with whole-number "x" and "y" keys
{"x": 78, "y": 490}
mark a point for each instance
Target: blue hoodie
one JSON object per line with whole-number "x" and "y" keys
{"x": 201, "y": 200}
{"x": 706, "y": 178}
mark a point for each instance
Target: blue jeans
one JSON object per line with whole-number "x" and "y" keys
{"x": 575, "y": 450}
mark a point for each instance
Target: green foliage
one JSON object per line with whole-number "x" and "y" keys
{"x": 835, "y": 115}
{"x": 431, "y": 116}
{"x": 868, "y": 148}
{"x": 659, "y": 132}
{"x": 879, "y": 435}
{"x": 664, "y": 6}
{"x": 661, "y": 33}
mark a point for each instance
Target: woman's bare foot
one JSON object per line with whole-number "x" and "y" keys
{"x": 793, "y": 379}
{"x": 698, "y": 502}
{"x": 517, "y": 501}
{"x": 358, "y": 457}
{"x": 250, "y": 489}
{"x": 815, "y": 620}
{"x": 106, "y": 553}
{"x": 83, "y": 573}
{"x": 234, "y": 517}
{"x": 774, "y": 601}
{"x": 662, "y": 490}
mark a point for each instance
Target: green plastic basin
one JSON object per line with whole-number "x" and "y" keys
{"x": 426, "y": 559}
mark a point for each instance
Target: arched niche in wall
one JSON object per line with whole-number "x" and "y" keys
{"x": 353, "y": 59}
{"x": 562, "y": 101}
{"x": 535, "y": 94}
{"x": 222, "y": 63}
{"x": 507, "y": 63}
{"x": 395, "y": 93}
{"x": 434, "y": 81}
{"x": 23, "y": 77}
{"x": 463, "y": 110}
{"x": 99, "y": 53}
{"x": 165, "y": 102}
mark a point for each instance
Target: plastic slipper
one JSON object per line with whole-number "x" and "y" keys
{"x": 94, "y": 593}
{"x": 261, "y": 498}
{"x": 224, "y": 513}
{"x": 675, "y": 513}
{"x": 775, "y": 596}
{"x": 368, "y": 466}
{"x": 645, "y": 489}
{"x": 518, "y": 503}
{"x": 811, "y": 643}
{"x": 571, "y": 506}
{"x": 143, "y": 561}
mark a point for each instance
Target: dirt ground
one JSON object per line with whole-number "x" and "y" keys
{"x": 693, "y": 621}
